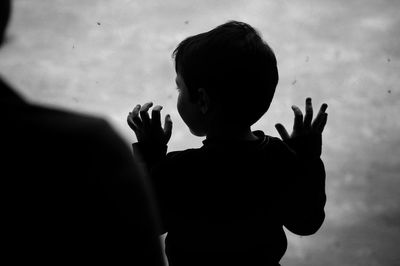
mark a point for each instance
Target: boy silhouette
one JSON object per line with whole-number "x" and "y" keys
{"x": 226, "y": 203}
{"x": 71, "y": 194}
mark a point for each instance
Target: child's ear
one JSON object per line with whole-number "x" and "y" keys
{"x": 203, "y": 100}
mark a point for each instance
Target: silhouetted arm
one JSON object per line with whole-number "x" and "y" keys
{"x": 304, "y": 198}
{"x": 151, "y": 149}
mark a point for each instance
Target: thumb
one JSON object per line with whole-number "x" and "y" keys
{"x": 282, "y": 132}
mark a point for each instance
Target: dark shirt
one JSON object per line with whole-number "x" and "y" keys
{"x": 226, "y": 203}
{"x": 71, "y": 194}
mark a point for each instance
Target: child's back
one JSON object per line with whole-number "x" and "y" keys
{"x": 226, "y": 203}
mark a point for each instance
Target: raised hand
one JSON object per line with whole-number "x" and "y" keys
{"x": 149, "y": 130}
{"x": 306, "y": 137}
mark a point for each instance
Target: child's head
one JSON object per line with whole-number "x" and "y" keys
{"x": 235, "y": 68}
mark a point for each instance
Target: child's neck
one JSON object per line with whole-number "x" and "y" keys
{"x": 231, "y": 133}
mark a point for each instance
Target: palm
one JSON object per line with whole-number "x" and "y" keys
{"x": 306, "y": 137}
{"x": 148, "y": 129}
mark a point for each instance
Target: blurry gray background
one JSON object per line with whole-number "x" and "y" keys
{"x": 104, "y": 56}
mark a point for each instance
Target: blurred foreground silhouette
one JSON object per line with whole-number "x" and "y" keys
{"x": 72, "y": 191}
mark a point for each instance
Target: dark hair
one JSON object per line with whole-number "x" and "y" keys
{"x": 234, "y": 65}
{"x": 5, "y": 9}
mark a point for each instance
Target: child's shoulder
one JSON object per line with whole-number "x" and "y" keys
{"x": 182, "y": 154}
{"x": 182, "y": 160}
{"x": 270, "y": 142}
{"x": 280, "y": 152}
{"x": 275, "y": 147}
{"x": 266, "y": 145}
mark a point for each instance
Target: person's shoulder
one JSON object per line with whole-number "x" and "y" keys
{"x": 79, "y": 129}
{"x": 268, "y": 142}
{"x": 68, "y": 119}
{"x": 45, "y": 121}
{"x": 74, "y": 121}
{"x": 276, "y": 146}
{"x": 182, "y": 159}
{"x": 275, "y": 142}
{"x": 183, "y": 154}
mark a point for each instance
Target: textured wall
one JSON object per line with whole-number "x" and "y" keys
{"x": 104, "y": 56}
